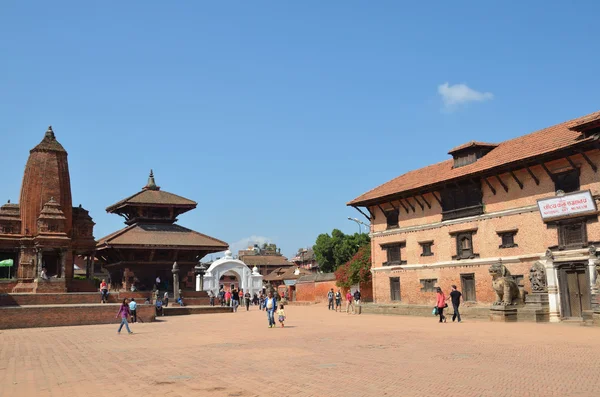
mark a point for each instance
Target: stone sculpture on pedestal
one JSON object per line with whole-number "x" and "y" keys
{"x": 507, "y": 291}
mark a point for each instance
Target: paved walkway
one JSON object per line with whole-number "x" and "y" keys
{"x": 319, "y": 353}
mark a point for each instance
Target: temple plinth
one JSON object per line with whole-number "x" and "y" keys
{"x": 152, "y": 241}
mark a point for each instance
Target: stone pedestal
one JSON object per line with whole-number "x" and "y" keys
{"x": 537, "y": 308}
{"x": 503, "y": 314}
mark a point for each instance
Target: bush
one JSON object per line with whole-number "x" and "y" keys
{"x": 357, "y": 270}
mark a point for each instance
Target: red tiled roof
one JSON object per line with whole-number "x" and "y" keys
{"x": 525, "y": 147}
{"x": 153, "y": 197}
{"x": 165, "y": 235}
{"x": 285, "y": 274}
{"x": 261, "y": 260}
{"x": 472, "y": 144}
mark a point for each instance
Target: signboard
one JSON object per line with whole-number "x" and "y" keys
{"x": 289, "y": 282}
{"x": 567, "y": 205}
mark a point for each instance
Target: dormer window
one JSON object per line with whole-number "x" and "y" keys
{"x": 470, "y": 152}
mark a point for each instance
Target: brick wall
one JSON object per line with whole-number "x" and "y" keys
{"x": 6, "y": 287}
{"x": 53, "y": 299}
{"x": 317, "y": 291}
{"x": 56, "y": 316}
{"x": 410, "y": 284}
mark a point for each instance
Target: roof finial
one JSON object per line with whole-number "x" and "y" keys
{"x": 151, "y": 185}
{"x": 8, "y": 201}
{"x": 50, "y": 133}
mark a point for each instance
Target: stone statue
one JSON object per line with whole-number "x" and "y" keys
{"x": 549, "y": 254}
{"x": 537, "y": 277}
{"x": 507, "y": 291}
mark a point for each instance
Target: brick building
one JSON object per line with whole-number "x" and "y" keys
{"x": 447, "y": 223}
{"x": 266, "y": 259}
{"x": 44, "y": 230}
{"x": 306, "y": 259}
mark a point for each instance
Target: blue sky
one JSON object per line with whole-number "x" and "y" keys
{"x": 272, "y": 115}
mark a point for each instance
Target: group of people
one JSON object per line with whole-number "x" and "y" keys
{"x": 234, "y": 298}
{"x": 441, "y": 304}
{"x": 352, "y": 301}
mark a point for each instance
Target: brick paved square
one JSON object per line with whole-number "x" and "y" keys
{"x": 319, "y": 353}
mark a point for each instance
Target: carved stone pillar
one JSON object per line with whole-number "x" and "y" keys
{"x": 175, "y": 272}
{"x": 553, "y": 287}
{"x": 38, "y": 262}
{"x": 63, "y": 263}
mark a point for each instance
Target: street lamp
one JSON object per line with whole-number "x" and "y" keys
{"x": 200, "y": 270}
{"x": 359, "y": 222}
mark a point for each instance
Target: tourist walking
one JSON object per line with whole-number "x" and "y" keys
{"x": 241, "y": 296}
{"x": 247, "y": 297}
{"x": 211, "y": 297}
{"x": 455, "y": 296}
{"x": 281, "y": 315}
{"x": 166, "y": 299}
{"x": 338, "y": 301}
{"x": 103, "y": 291}
{"x": 228, "y": 298}
{"x": 330, "y": 296}
{"x": 235, "y": 302}
{"x": 222, "y": 296}
{"x": 349, "y": 304}
{"x": 271, "y": 306}
{"x": 123, "y": 313}
{"x": 133, "y": 310}
{"x": 357, "y": 296}
{"x": 441, "y": 304}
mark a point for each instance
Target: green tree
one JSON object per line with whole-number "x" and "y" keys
{"x": 332, "y": 251}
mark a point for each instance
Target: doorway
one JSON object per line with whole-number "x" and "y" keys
{"x": 574, "y": 290}
{"x": 467, "y": 282}
{"x": 51, "y": 261}
{"x": 395, "y": 288}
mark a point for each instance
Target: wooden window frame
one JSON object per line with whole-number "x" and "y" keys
{"x": 469, "y": 192}
{"x": 459, "y": 250}
{"x": 558, "y": 175}
{"x": 562, "y": 234}
{"x": 398, "y": 262}
{"x": 507, "y": 234}
{"x": 428, "y": 284}
{"x": 392, "y": 225}
{"x": 426, "y": 248}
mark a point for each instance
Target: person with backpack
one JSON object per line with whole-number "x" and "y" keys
{"x": 330, "y": 296}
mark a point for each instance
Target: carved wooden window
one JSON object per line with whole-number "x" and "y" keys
{"x": 428, "y": 285}
{"x": 426, "y": 246}
{"x": 464, "y": 246}
{"x": 52, "y": 227}
{"x": 567, "y": 181}
{"x": 572, "y": 235}
{"x": 393, "y": 252}
{"x": 391, "y": 219}
{"x": 507, "y": 239}
{"x": 461, "y": 200}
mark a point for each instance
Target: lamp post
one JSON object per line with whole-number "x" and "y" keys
{"x": 359, "y": 222}
{"x": 200, "y": 270}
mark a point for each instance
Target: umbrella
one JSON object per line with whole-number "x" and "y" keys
{"x": 6, "y": 263}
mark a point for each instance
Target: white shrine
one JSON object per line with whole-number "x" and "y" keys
{"x": 250, "y": 281}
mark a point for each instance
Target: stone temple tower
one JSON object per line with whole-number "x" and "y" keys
{"x": 44, "y": 231}
{"x": 46, "y": 176}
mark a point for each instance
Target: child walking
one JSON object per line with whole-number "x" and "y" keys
{"x": 281, "y": 314}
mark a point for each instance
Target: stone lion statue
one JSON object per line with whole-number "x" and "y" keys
{"x": 507, "y": 291}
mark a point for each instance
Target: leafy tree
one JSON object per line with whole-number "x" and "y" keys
{"x": 337, "y": 249}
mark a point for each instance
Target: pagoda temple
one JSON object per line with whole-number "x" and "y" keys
{"x": 43, "y": 231}
{"x": 152, "y": 241}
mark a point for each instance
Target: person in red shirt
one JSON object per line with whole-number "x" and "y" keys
{"x": 441, "y": 304}
{"x": 349, "y": 302}
{"x": 103, "y": 291}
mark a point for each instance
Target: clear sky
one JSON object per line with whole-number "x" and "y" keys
{"x": 272, "y": 115}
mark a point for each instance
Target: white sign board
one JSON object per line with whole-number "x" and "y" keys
{"x": 568, "y": 205}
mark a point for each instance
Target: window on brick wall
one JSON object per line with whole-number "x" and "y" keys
{"x": 567, "y": 181}
{"x": 464, "y": 245}
{"x": 393, "y": 254}
{"x": 507, "y": 239}
{"x": 572, "y": 234}
{"x": 426, "y": 247}
{"x": 391, "y": 219}
{"x": 428, "y": 285}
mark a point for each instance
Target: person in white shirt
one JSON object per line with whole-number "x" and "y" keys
{"x": 133, "y": 310}
{"x": 166, "y": 299}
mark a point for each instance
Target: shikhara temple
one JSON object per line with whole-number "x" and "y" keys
{"x": 152, "y": 241}
{"x": 44, "y": 230}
